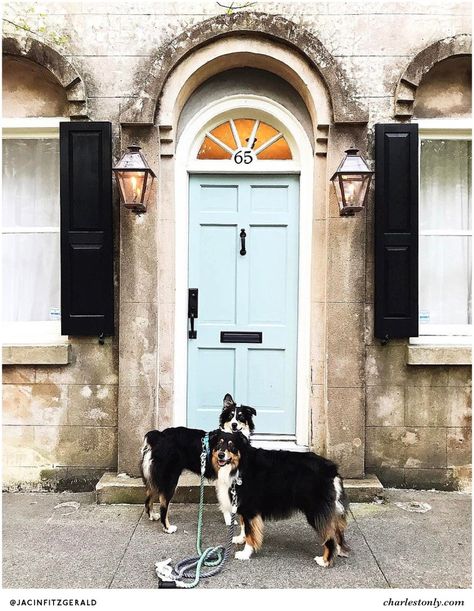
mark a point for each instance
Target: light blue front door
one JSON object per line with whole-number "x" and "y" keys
{"x": 245, "y": 294}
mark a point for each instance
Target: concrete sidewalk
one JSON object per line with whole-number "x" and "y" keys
{"x": 47, "y": 544}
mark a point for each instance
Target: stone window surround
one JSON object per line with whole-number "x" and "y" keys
{"x": 427, "y": 354}
{"x": 65, "y": 73}
{"x": 36, "y": 354}
{"x": 410, "y": 80}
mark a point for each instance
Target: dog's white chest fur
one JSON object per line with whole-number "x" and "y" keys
{"x": 223, "y": 483}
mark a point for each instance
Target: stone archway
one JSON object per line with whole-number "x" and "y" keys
{"x": 422, "y": 63}
{"x": 346, "y": 108}
{"x": 65, "y": 73}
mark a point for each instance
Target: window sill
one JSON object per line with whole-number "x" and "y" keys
{"x": 37, "y": 354}
{"x": 439, "y": 355}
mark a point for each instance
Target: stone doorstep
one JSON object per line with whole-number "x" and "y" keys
{"x": 121, "y": 489}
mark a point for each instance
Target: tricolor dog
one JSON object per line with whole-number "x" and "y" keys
{"x": 274, "y": 485}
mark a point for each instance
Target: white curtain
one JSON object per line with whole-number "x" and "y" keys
{"x": 445, "y": 260}
{"x": 30, "y": 200}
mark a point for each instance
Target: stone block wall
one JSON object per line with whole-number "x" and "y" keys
{"x": 60, "y": 421}
{"x": 418, "y": 420}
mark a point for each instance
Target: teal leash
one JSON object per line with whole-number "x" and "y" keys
{"x": 213, "y": 558}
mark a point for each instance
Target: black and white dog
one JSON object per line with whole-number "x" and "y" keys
{"x": 236, "y": 418}
{"x": 165, "y": 454}
{"x": 274, "y": 485}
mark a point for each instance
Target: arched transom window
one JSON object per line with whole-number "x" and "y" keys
{"x": 244, "y": 140}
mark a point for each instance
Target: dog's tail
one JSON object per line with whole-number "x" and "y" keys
{"x": 341, "y": 501}
{"x": 149, "y": 442}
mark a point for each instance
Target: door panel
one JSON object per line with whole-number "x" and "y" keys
{"x": 215, "y": 373}
{"x": 217, "y": 273}
{"x": 266, "y": 384}
{"x": 266, "y": 291}
{"x": 217, "y": 198}
{"x": 254, "y": 292}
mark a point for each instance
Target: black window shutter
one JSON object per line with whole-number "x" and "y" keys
{"x": 396, "y": 230}
{"x": 87, "y": 292}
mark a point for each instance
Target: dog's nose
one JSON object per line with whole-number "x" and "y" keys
{"x": 234, "y": 426}
{"x": 221, "y": 456}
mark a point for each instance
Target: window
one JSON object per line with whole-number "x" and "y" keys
{"x": 445, "y": 232}
{"x": 30, "y": 227}
{"x": 229, "y": 139}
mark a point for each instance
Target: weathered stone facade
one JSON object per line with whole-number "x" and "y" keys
{"x": 138, "y": 65}
{"x": 60, "y": 421}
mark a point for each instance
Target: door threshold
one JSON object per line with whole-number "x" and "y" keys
{"x": 277, "y": 442}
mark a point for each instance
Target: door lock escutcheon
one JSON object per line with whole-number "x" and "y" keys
{"x": 193, "y": 297}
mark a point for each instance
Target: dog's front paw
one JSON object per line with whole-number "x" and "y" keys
{"x": 242, "y": 555}
{"x": 238, "y": 540}
{"x": 154, "y": 517}
{"x": 170, "y": 530}
{"x": 320, "y": 560}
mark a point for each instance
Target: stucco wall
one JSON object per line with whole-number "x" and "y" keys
{"x": 416, "y": 417}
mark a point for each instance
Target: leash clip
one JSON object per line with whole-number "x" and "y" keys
{"x": 233, "y": 494}
{"x": 205, "y": 452}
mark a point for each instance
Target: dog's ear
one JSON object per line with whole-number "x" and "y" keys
{"x": 228, "y": 401}
{"x": 213, "y": 438}
{"x": 250, "y": 410}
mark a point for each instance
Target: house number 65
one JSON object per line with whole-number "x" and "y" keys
{"x": 244, "y": 156}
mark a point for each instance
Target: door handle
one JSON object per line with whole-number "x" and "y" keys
{"x": 243, "y": 235}
{"x": 193, "y": 297}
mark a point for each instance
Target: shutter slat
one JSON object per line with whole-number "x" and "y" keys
{"x": 396, "y": 230}
{"x": 87, "y": 296}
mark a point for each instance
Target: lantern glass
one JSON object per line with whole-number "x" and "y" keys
{"x": 134, "y": 188}
{"x": 353, "y": 189}
{"x": 135, "y": 179}
{"x": 351, "y": 182}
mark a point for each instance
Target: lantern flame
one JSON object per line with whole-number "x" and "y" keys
{"x": 350, "y": 193}
{"x": 136, "y": 191}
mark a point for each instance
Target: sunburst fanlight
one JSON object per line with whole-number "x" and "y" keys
{"x": 244, "y": 140}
